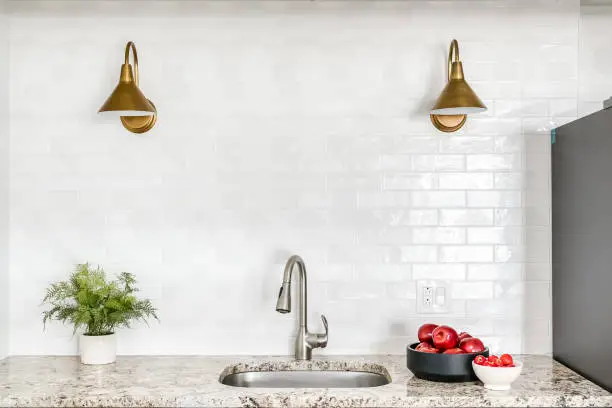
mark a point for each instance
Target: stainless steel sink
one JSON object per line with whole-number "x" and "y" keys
{"x": 305, "y": 379}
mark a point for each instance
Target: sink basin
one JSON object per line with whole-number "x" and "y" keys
{"x": 305, "y": 379}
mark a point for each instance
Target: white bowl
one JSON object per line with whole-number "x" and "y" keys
{"x": 497, "y": 378}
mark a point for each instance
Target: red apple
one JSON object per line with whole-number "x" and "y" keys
{"x": 455, "y": 350}
{"x": 444, "y": 337}
{"x": 425, "y": 332}
{"x": 426, "y": 348}
{"x": 464, "y": 335}
{"x": 424, "y": 345}
{"x": 471, "y": 345}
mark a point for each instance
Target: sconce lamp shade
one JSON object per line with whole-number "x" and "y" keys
{"x": 127, "y": 99}
{"x": 137, "y": 113}
{"x": 457, "y": 98}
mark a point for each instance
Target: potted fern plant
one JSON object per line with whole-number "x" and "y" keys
{"x": 88, "y": 301}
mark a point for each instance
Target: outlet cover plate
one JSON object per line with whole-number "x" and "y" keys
{"x": 429, "y": 299}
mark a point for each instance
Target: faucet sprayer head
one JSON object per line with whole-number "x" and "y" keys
{"x": 283, "y": 304}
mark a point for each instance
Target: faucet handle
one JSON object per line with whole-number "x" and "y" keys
{"x": 322, "y": 338}
{"x": 325, "y": 324}
{"x": 318, "y": 340}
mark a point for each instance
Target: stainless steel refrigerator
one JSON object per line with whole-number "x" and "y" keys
{"x": 582, "y": 246}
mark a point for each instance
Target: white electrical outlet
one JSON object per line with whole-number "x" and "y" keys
{"x": 428, "y": 296}
{"x": 432, "y": 296}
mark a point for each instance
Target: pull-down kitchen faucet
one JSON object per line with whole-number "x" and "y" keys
{"x": 304, "y": 341}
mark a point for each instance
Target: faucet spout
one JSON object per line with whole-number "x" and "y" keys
{"x": 304, "y": 341}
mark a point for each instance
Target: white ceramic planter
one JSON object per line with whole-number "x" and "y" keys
{"x": 98, "y": 349}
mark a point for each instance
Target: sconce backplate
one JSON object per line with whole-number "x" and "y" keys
{"x": 139, "y": 124}
{"x": 448, "y": 123}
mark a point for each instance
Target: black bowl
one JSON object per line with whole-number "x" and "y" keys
{"x": 441, "y": 367}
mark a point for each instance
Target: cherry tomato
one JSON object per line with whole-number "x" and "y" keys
{"x": 492, "y": 358}
{"x": 499, "y": 363}
{"x": 490, "y": 364}
{"x": 480, "y": 360}
{"x": 506, "y": 359}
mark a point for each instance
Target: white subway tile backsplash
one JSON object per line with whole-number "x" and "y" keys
{"x": 404, "y": 290}
{"x": 466, "y": 253}
{"x": 335, "y": 272}
{"x": 355, "y": 291}
{"x": 410, "y": 182}
{"x": 417, "y": 217}
{"x": 424, "y": 145}
{"x": 496, "y": 272}
{"x": 354, "y": 181}
{"x": 509, "y": 290}
{"x": 382, "y": 273}
{"x": 535, "y": 107}
{"x": 443, "y": 162}
{"x": 467, "y": 144}
{"x": 380, "y": 199}
{"x": 508, "y": 107}
{"x": 438, "y": 271}
{"x": 466, "y": 217}
{"x": 466, "y": 181}
{"x": 494, "y": 199}
{"x": 385, "y": 236}
{"x": 510, "y": 143}
{"x": 509, "y": 181}
{"x": 397, "y": 162}
{"x": 472, "y": 290}
{"x": 419, "y": 253}
{"x": 508, "y": 217}
{"x": 495, "y": 235}
{"x": 438, "y": 199}
{"x": 564, "y": 107}
{"x": 361, "y": 253}
{"x": 438, "y": 235}
{"x": 494, "y": 126}
{"x": 493, "y": 162}
{"x": 508, "y": 309}
{"x": 261, "y": 152}
{"x": 509, "y": 253}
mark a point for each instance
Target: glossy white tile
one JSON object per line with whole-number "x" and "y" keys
{"x": 471, "y": 217}
{"x": 466, "y": 253}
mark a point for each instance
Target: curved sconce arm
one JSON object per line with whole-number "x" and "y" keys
{"x": 130, "y": 46}
{"x": 454, "y": 49}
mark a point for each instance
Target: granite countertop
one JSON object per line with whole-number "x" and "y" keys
{"x": 194, "y": 381}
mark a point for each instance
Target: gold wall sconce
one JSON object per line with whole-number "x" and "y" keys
{"x": 457, "y": 100}
{"x": 137, "y": 113}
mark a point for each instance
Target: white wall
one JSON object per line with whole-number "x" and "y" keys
{"x": 595, "y": 58}
{"x": 4, "y": 164}
{"x": 289, "y": 127}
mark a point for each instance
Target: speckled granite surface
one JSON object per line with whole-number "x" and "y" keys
{"x": 194, "y": 381}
